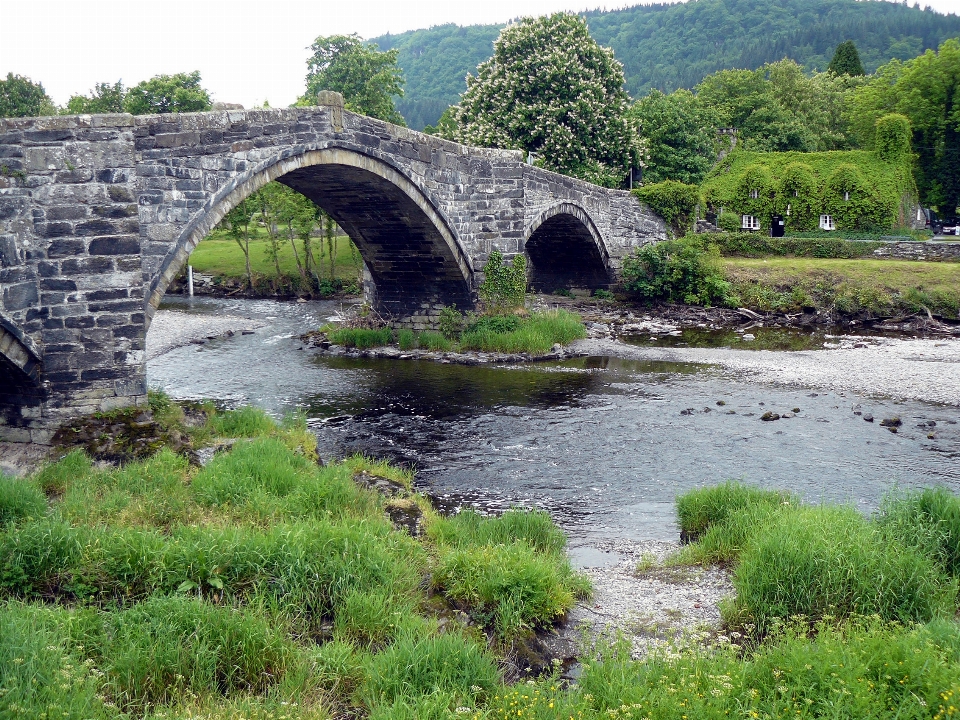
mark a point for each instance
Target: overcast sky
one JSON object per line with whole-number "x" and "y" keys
{"x": 247, "y": 51}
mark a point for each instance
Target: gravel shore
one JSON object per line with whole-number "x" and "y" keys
{"x": 171, "y": 329}
{"x": 927, "y": 370}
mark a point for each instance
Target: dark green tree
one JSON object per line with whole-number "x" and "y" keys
{"x": 368, "y": 79}
{"x": 846, "y": 60}
{"x": 178, "y": 93}
{"x": 21, "y": 97}
{"x": 552, "y": 90}
{"x": 678, "y": 136}
{"x": 104, "y": 98}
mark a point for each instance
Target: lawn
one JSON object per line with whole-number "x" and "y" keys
{"x": 220, "y": 256}
{"x": 877, "y": 286}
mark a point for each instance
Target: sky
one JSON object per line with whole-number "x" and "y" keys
{"x": 247, "y": 51}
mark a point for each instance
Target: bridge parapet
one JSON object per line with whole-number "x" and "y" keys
{"x": 98, "y": 213}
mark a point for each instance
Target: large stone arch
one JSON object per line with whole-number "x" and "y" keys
{"x": 565, "y": 249}
{"x": 409, "y": 247}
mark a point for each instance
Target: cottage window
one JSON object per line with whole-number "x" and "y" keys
{"x": 826, "y": 222}
{"x": 788, "y": 209}
{"x": 749, "y": 222}
{"x": 796, "y": 193}
{"x": 754, "y": 194}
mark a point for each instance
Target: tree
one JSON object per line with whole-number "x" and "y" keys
{"x": 368, "y": 79}
{"x": 552, "y": 90}
{"x": 846, "y": 60}
{"x": 104, "y": 98}
{"x": 926, "y": 90}
{"x": 678, "y": 136}
{"x": 240, "y": 219}
{"x": 178, "y": 93}
{"x": 446, "y": 126}
{"x": 21, "y": 97}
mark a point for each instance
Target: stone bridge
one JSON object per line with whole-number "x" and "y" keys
{"x": 99, "y": 213}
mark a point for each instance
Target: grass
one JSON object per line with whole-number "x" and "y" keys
{"x": 220, "y": 256}
{"x": 259, "y": 586}
{"x": 879, "y": 287}
{"x": 535, "y": 335}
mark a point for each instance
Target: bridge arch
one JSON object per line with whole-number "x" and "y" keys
{"x": 565, "y": 250}
{"x": 410, "y": 248}
{"x": 20, "y": 388}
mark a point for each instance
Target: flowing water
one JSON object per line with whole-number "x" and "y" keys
{"x": 598, "y": 442}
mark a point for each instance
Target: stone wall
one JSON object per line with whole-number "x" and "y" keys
{"x": 930, "y": 250}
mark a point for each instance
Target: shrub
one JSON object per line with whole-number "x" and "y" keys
{"x": 674, "y": 201}
{"x": 830, "y": 561}
{"x": 536, "y": 335}
{"x": 677, "y": 271}
{"x": 818, "y": 244}
{"x": 163, "y": 647}
{"x": 20, "y": 499}
{"x": 451, "y": 322}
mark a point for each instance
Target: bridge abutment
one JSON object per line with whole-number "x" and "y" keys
{"x": 99, "y": 213}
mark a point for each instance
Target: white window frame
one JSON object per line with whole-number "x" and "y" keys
{"x": 846, "y": 195}
{"x": 826, "y": 222}
{"x": 749, "y": 222}
{"x": 754, "y": 194}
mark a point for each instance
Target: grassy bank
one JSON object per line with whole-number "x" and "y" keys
{"x": 263, "y": 586}
{"x": 220, "y": 256}
{"x": 879, "y": 287}
{"x": 260, "y": 585}
{"x": 535, "y": 334}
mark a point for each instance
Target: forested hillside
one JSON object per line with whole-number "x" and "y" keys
{"x": 671, "y": 46}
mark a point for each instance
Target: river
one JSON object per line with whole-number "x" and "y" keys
{"x": 603, "y": 444}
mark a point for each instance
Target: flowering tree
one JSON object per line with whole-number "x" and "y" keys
{"x": 552, "y": 90}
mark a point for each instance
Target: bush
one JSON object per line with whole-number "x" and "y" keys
{"x": 831, "y": 561}
{"x": 674, "y": 201}
{"x": 684, "y": 270}
{"x": 20, "y": 499}
{"x": 504, "y": 286}
{"x": 813, "y": 244}
{"x": 451, "y": 322}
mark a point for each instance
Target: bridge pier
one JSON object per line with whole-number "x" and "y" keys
{"x": 99, "y": 213}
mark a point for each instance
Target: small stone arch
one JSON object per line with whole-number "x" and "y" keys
{"x": 436, "y": 266}
{"x": 565, "y": 250}
{"x": 20, "y": 383}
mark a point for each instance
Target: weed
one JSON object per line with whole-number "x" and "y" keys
{"x": 20, "y": 499}
{"x": 362, "y": 338}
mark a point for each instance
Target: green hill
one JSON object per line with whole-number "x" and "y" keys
{"x": 670, "y": 46}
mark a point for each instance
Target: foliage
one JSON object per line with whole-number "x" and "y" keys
{"x": 674, "y": 201}
{"x": 823, "y": 245}
{"x": 504, "y": 286}
{"x": 451, "y": 322}
{"x": 698, "y": 510}
{"x": 566, "y": 105}
{"x": 927, "y": 520}
{"x": 20, "y": 499}
{"x": 678, "y": 136}
{"x": 361, "y": 338}
{"x": 179, "y": 93}
{"x": 677, "y": 271}
{"x": 104, "y": 98}
{"x": 846, "y": 60}
{"x": 892, "y": 137}
{"x": 926, "y": 90}
{"x": 675, "y": 45}
{"x": 881, "y": 193}
{"x": 446, "y": 126}
{"x": 21, "y": 97}
{"x": 368, "y": 79}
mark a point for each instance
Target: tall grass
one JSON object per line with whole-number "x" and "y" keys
{"x": 20, "y": 499}
{"x": 927, "y": 520}
{"x": 537, "y": 335}
{"x": 470, "y": 528}
{"x": 698, "y": 510}
{"x": 831, "y": 561}
{"x": 361, "y": 338}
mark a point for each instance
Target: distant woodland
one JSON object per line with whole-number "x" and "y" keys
{"x": 666, "y": 47}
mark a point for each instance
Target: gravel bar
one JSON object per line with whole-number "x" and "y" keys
{"x": 923, "y": 369}
{"x": 171, "y": 329}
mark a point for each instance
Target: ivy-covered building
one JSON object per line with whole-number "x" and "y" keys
{"x": 838, "y": 190}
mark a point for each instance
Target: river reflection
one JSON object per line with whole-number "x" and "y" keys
{"x": 603, "y": 444}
